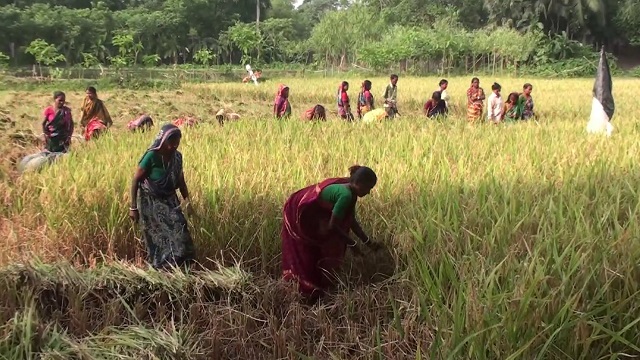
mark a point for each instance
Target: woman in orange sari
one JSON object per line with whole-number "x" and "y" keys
{"x": 475, "y": 101}
{"x": 94, "y": 117}
{"x": 315, "y": 230}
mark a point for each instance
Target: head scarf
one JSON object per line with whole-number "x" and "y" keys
{"x": 165, "y": 133}
{"x": 281, "y": 90}
{"x": 280, "y": 103}
{"x": 339, "y": 94}
{"x": 169, "y": 183}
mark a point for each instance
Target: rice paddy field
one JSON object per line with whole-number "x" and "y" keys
{"x": 500, "y": 242}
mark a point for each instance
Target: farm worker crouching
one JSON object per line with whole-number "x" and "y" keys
{"x": 317, "y": 112}
{"x": 344, "y": 107}
{"x": 94, "y": 117}
{"x": 186, "y": 121}
{"x": 222, "y": 115}
{"x": 155, "y": 204}
{"x": 435, "y": 106}
{"x": 315, "y": 230}
{"x": 57, "y": 128}
{"x": 365, "y": 99}
{"x": 375, "y": 115}
{"x": 475, "y": 101}
{"x": 142, "y": 123}
{"x": 391, "y": 97}
{"x": 442, "y": 87}
{"x": 512, "y": 110}
{"x": 281, "y": 106}
{"x": 526, "y": 102}
{"x": 496, "y": 104}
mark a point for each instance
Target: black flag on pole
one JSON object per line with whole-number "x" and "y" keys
{"x": 602, "y": 86}
{"x": 602, "y": 105}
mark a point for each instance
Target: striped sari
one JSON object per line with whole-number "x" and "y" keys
{"x": 164, "y": 226}
{"x": 475, "y": 104}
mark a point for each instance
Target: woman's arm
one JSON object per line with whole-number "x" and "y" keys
{"x": 492, "y": 107}
{"x": 182, "y": 185}
{"x": 357, "y": 229}
{"x": 107, "y": 117}
{"x": 333, "y": 225}
{"x": 139, "y": 176}
{"x": 367, "y": 99}
{"x": 481, "y": 95}
{"x": 345, "y": 101}
{"x": 277, "y": 109}
{"x": 72, "y": 125}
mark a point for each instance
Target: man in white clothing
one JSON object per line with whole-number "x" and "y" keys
{"x": 443, "y": 91}
{"x": 495, "y": 104}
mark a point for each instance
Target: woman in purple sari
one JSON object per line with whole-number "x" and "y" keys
{"x": 315, "y": 230}
{"x": 155, "y": 203}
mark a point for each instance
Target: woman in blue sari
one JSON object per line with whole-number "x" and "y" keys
{"x": 155, "y": 204}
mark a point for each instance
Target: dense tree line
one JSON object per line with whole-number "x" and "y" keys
{"x": 379, "y": 34}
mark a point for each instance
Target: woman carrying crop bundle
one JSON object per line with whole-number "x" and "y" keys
{"x": 475, "y": 101}
{"x": 526, "y": 102}
{"x": 511, "y": 110}
{"x": 365, "y": 99}
{"x": 155, "y": 203}
{"x": 315, "y": 230}
{"x": 57, "y": 128}
{"x": 94, "y": 117}
{"x": 281, "y": 106}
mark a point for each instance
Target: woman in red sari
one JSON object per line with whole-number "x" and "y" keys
{"x": 315, "y": 230}
{"x": 344, "y": 103}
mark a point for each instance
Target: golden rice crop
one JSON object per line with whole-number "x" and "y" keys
{"x": 515, "y": 241}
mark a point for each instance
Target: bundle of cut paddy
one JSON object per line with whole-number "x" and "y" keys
{"x": 54, "y": 285}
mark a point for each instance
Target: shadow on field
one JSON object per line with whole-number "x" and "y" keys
{"x": 260, "y": 218}
{"x": 481, "y": 257}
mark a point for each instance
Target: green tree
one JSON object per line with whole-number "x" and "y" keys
{"x": 4, "y": 60}
{"x": 245, "y": 37}
{"x": 203, "y": 56}
{"x": 44, "y": 53}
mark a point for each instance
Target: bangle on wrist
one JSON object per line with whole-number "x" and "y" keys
{"x": 352, "y": 244}
{"x": 133, "y": 208}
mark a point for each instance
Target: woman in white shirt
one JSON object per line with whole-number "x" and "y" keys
{"x": 495, "y": 104}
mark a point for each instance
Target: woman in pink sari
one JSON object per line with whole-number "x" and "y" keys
{"x": 315, "y": 230}
{"x": 281, "y": 106}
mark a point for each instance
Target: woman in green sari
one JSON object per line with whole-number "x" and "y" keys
{"x": 155, "y": 203}
{"x": 512, "y": 111}
{"x": 526, "y": 102}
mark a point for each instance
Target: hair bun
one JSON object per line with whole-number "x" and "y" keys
{"x": 353, "y": 169}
